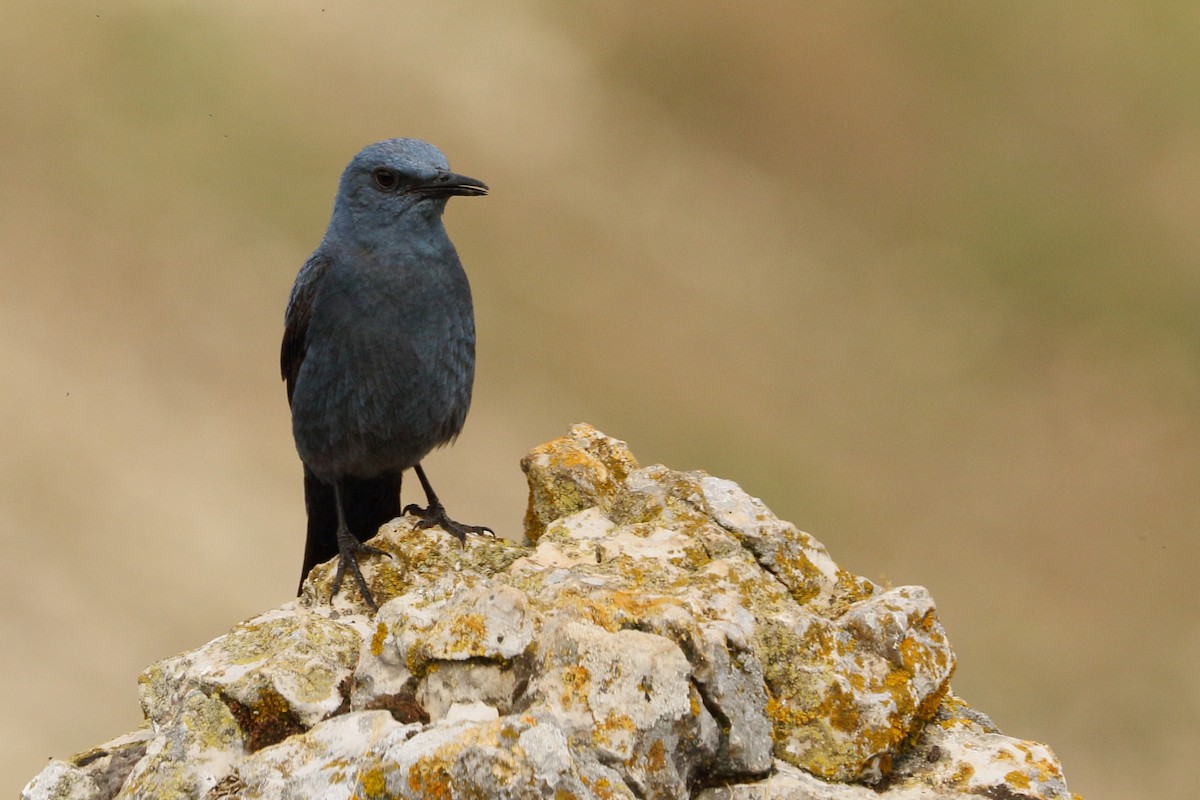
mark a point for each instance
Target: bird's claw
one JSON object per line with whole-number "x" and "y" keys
{"x": 435, "y": 515}
{"x": 349, "y": 551}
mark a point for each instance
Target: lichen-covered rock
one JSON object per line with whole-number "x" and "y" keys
{"x": 584, "y": 470}
{"x": 663, "y": 632}
{"x": 194, "y": 749}
{"x": 960, "y": 754}
{"x": 283, "y": 671}
{"x": 843, "y": 671}
{"x": 625, "y": 696}
{"x": 99, "y": 772}
{"x": 368, "y": 754}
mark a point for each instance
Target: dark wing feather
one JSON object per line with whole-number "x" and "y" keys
{"x": 295, "y": 321}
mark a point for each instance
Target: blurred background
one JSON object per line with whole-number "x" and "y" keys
{"x": 922, "y": 276}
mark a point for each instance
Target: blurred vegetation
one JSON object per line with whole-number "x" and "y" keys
{"x": 922, "y": 276}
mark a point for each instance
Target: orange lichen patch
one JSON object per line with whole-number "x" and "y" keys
{"x": 952, "y": 712}
{"x": 837, "y": 741}
{"x": 929, "y": 706}
{"x": 656, "y": 756}
{"x": 841, "y": 709}
{"x": 912, "y": 652}
{"x": 601, "y": 787}
{"x": 918, "y": 654}
{"x": 603, "y": 730}
{"x": 1017, "y": 780}
{"x": 803, "y": 580}
{"x": 614, "y": 453}
{"x": 338, "y": 764}
{"x": 576, "y": 681}
{"x": 429, "y": 777}
{"x": 962, "y": 776}
{"x": 1045, "y": 769}
{"x": 820, "y": 640}
{"x": 850, "y": 589}
{"x": 597, "y": 610}
{"x": 469, "y": 631}
{"x": 637, "y": 606}
{"x": 636, "y": 572}
{"x": 897, "y": 683}
{"x": 787, "y": 714}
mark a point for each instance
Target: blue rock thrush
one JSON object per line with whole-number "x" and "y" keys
{"x": 379, "y": 350}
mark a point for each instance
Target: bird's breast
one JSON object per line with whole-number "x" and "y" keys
{"x": 389, "y": 368}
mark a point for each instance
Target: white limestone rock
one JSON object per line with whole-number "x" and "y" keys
{"x": 663, "y": 635}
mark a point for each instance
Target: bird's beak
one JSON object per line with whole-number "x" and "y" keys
{"x": 447, "y": 184}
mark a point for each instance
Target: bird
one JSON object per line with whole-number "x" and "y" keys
{"x": 378, "y": 351}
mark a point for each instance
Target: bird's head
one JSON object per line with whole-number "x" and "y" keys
{"x": 398, "y": 180}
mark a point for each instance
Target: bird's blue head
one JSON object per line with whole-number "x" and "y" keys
{"x": 396, "y": 183}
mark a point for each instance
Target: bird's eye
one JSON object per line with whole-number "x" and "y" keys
{"x": 385, "y": 179}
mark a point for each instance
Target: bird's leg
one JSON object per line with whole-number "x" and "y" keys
{"x": 349, "y": 549}
{"x": 435, "y": 513}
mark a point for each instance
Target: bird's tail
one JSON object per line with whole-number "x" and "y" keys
{"x": 367, "y": 503}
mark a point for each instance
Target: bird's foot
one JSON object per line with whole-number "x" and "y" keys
{"x": 435, "y": 514}
{"x": 349, "y": 551}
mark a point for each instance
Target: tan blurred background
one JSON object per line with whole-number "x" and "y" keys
{"x": 923, "y": 276}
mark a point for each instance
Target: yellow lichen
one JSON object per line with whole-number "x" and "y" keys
{"x": 603, "y": 730}
{"x": 1017, "y": 779}
{"x": 429, "y": 778}
{"x": 416, "y": 658}
{"x": 656, "y": 756}
{"x": 373, "y": 780}
{"x": 469, "y": 631}
{"x": 601, "y": 787}
{"x": 381, "y": 632}
{"x": 597, "y": 610}
{"x": 961, "y": 778}
{"x": 841, "y": 709}
{"x": 576, "y": 680}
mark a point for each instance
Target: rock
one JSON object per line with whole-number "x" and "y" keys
{"x": 99, "y": 772}
{"x": 662, "y": 635}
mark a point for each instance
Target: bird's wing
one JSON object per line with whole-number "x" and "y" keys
{"x": 295, "y": 320}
